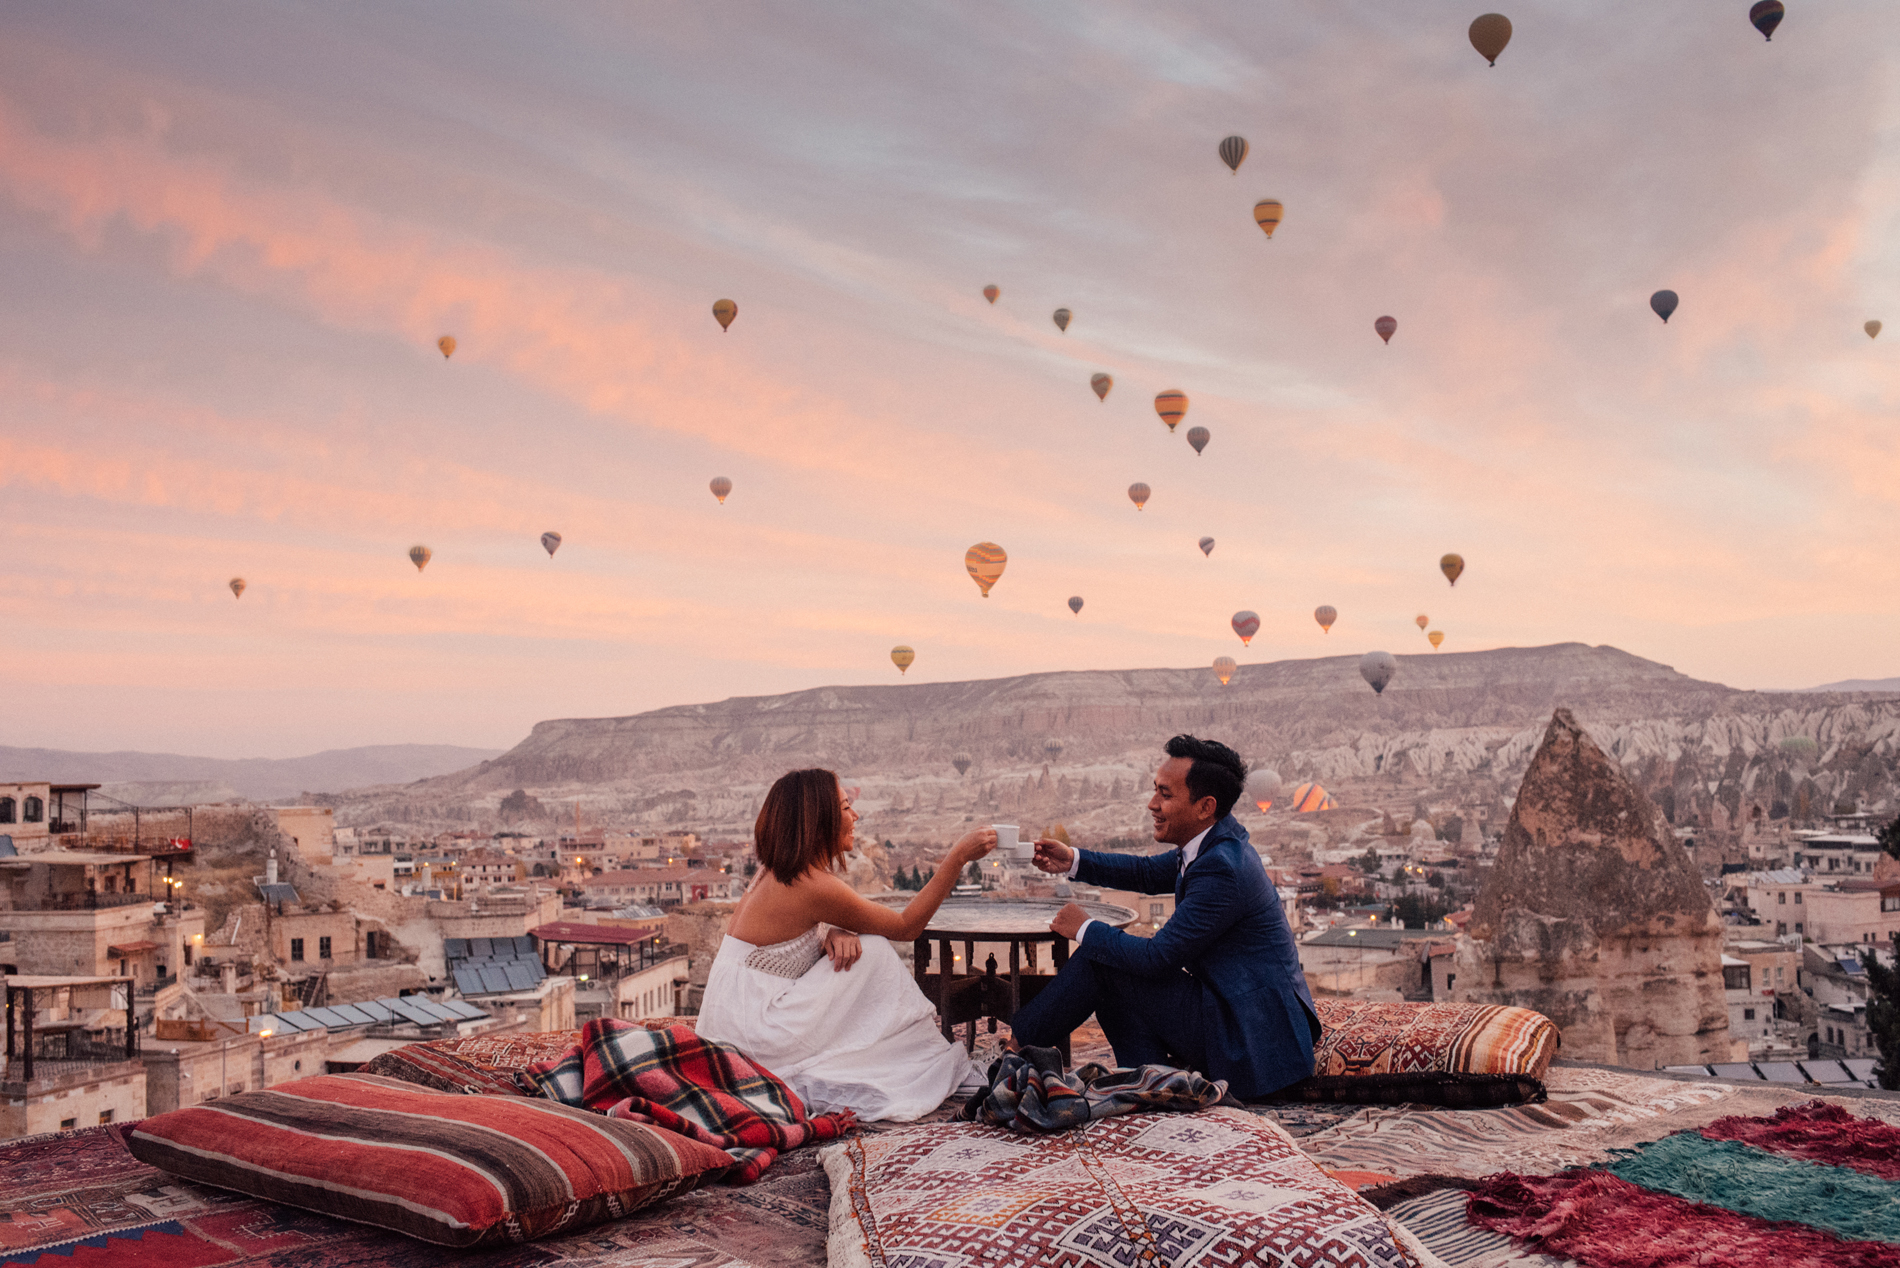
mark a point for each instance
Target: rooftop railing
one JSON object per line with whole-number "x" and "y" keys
{"x": 83, "y": 902}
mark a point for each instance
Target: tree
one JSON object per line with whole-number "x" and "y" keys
{"x": 1890, "y": 837}
{"x": 1883, "y": 1012}
{"x": 1369, "y": 862}
{"x": 1415, "y": 911}
{"x": 974, "y": 876}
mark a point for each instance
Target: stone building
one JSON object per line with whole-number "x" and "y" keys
{"x": 1597, "y": 919}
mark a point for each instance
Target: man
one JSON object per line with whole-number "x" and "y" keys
{"x": 1219, "y": 988}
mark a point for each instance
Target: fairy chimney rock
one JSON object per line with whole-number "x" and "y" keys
{"x": 1597, "y": 919}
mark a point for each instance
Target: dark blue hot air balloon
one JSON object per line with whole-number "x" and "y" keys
{"x": 1664, "y": 302}
{"x": 1767, "y": 15}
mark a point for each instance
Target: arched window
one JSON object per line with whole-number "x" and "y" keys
{"x": 35, "y": 810}
{"x": 6, "y": 810}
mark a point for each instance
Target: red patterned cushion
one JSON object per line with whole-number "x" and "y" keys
{"x": 483, "y": 1064}
{"x": 457, "y": 1170}
{"x": 1435, "y": 1054}
{"x": 1221, "y": 1186}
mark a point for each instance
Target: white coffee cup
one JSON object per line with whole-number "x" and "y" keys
{"x": 1009, "y": 841}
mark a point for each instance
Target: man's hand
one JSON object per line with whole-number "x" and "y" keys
{"x": 1054, "y": 857}
{"x": 1068, "y": 921}
{"x": 843, "y": 947}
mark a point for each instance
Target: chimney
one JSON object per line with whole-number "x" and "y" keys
{"x": 270, "y": 867}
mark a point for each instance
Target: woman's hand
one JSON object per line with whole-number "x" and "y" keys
{"x": 973, "y": 845}
{"x": 843, "y": 947}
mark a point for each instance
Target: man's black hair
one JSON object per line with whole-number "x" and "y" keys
{"x": 1215, "y": 771}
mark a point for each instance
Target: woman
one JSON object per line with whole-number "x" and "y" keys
{"x": 854, "y": 1034}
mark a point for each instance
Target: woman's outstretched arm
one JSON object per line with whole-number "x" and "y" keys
{"x": 836, "y": 903}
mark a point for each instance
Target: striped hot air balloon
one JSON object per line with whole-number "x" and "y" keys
{"x": 1138, "y": 493}
{"x": 1246, "y": 624}
{"x": 420, "y": 556}
{"x": 902, "y": 657}
{"x": 550, "y": 542}
{"x": 1326, "y": 614}
{"x": 1308, "y": 798}
{"x": 1207, "y": 545}
{"x": 1198, "y": 437}
{"x": 237, "y": 587}
{"x": 1101, "y": 383}
{"x": 986, "y": 561}
{"x": 1267, "y": 213}
{"x": 1437, "y": 638}
{"x": 720, "y": 487}
{"x": 1421, "y": 620}
{"x": 1224, "y": 668}
{"x": 1233, "y": 152}
{"x": 1385, "y": 327}
{"x": 1172, "y": 406}
{"x": 1075, "y": 604}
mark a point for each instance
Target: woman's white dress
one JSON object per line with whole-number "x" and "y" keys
{"x": 865, "y": 1039}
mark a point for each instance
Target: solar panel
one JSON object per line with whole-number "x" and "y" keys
{"x": 1861, "y": 1068}
{"x": 455, "y": 948}
{"x": 494, "y": 979}
{"x": 352, "y": 1015}
{"x": 376, "y": 1010}
{"x": 1733, "y": 1070}
{"x": 524, "y": 945}
{"x": 469, "y": 982}
{"x": 323, "y": 1017}
{"x": 1832, "y": 1073}
{"x": 281, "y": 1022}
{"x": 519, "y": 979}
{"x": 432, "y": 1008}
{"x": 411, "y": 1013}
{"x": 278, "y": 893}
{"x": 1686, "y": 1069}
{"x": 1782, "y": 1072}
{"x": 481, "y": 948}
{"x": 463, "y": 1009}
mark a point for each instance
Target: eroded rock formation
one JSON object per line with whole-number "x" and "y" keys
{"x": 1596, "y": 917}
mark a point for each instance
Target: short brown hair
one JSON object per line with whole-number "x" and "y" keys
{"x": 801, "y": 825}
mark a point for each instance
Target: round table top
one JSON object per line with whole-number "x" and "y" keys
{"x": 1018, "y": 917}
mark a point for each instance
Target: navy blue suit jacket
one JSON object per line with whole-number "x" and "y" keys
{"x": 1229, "y": 932}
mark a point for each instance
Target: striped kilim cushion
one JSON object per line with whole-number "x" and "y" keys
{"x": 443, "y": 1167}
{"x": 1465, "y": 1055}
{"x": 486, "y": 1065}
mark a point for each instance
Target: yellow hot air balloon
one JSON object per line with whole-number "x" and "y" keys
{"x": 724, "y": 310}
{"x": 1438, "y": 639}
{"x": 1267, "y": 213}
{"x": 1308, "y": 798}
{"x": 1422, "y": 620}
{"x": 990, "y": 293}
{"x": 902, "y": 657}
{"x": 447, "y": 344}
{"x": 720, "y": 486}
{"x": 1326, "y": 615}
{"x": 1102, "y": 382}
{"x": 1452, "y": 566}
{"x": 1172, "y": 405}
{"x": 420, "y": 556}
{"x": 1224, "y": 668}
{"x": 986, "y": 562}
{"x": 1872, "y": 328}
{"x": 237, "y": 587}
{"x": 1138, "y": 494}
{"x": 1489, "y": 33}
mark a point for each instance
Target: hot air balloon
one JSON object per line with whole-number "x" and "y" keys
{"x": 1138, "y": 494}
{"x": 1437, "y": 638}
{"x": 720, "y": 486}
{"x": 1052, "y": 749}
{"x": 1224, "y": 668}
{"x": 550, "y": 542}
{"x": 902, "y": 657}
{"x": 1267, "y": 213}
{"x": 1664, "y": 302}
{"x": 1326, "y": 614}
{"x": 1198, "y": 437}
{"x": 1246, "y": 624}
{"x": 1233, "y": 152}
{"x": 986, "y": 562}
{"x": 1377, "y": 669}
{"x": 420, "y": 556}
{"x": 962, "y": 762}
{"x": 1385, "y": 326}
{"x": 1308, "y": 798}
{"x": 1422, "y": 620}
{"x": 447, "y": 344}
{"x": 724, "y": 310}
{"x": 1453, "y": 567}
{"x": 1872, "y": 328}
{"x": 1767, "y": 15}
{"x": 1207, "y": 545}
{"x": 1062, "y": 319}
{"x": 237, "y": 587}
{"x": 1075, "y": 604}
{"x": 990, "y": 293}
{"x": 1172, "y": 406}
{"x": 1489, "y": 33}
{"x": 1101, "y": 383}
{"x": 1263, "y": 785}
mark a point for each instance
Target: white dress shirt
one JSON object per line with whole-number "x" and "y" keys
{"x": 1189, "y": 853}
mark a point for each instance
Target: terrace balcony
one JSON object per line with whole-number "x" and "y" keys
{"x": 87, "y": 901}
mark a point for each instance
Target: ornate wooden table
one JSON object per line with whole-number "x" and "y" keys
{"x": 1022, "y": 923}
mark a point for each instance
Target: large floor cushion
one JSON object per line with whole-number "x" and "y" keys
{"x": 443, "y": 1167}
{"x": 1220, "y": 1186}
{"x": 1465, "y": 1055}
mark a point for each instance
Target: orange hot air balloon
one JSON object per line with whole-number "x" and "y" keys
{"x": 1308, "y": 798}
{"x": 1452, "y": 566}
{"x": 986, "y": 562}
{"x": 724, "y": 310}
{"x": 420, "y": 556}
{"x": 1326, "y": 615}
{"x": 1101, "y": 383}
{"x": 1437, "y": 638}
{"x": 1246, "y": 624}
{"x": 990, "y": 293}
{"x": 447, "y": 344}
{"x": 1267, "y": 213}
{"x": 1385, "y": 327}
{"x": 1224, "y": 668}
{"x": 1172, "y": 405}
{"x": 902, "y": 657}
{"x": 1421, "y": 620}
{"x": 720, "y": 487}
{"x": 1489, "y": 34}
{"x": 237, "y": 587}
{"x": 1138, "y": 494}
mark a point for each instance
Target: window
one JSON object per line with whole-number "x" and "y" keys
{"x": 67, "y": 1124}
{"x": 1155, "y": 910}
{"x": 323, "y": 948}
{"x": 1781, "y": 899}
{"x": 296, "y": 948}
{"x": 1748, "y": 1014}
{"x": 1798, "y": 927}
{"x": 105, "y": 1116}
{"x": 1797, "y": 898}
{"x": 35, "y": 810}
{"x": 6, "y": 810}
{"x": 1890, "y": 902}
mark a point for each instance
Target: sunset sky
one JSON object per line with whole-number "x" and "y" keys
{"x": 230, "y": 235}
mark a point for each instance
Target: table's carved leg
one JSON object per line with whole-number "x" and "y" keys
{"x": 944, "y": 970}
{"x": 992, "y": 990}
{"x": 1015, "y": 976}
{"x": 969, "y": 966}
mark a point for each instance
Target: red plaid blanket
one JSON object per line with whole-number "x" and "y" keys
{"x": 697, "y": 1087}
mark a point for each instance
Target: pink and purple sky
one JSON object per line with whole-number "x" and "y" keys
{"x": 230, "y": 235}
